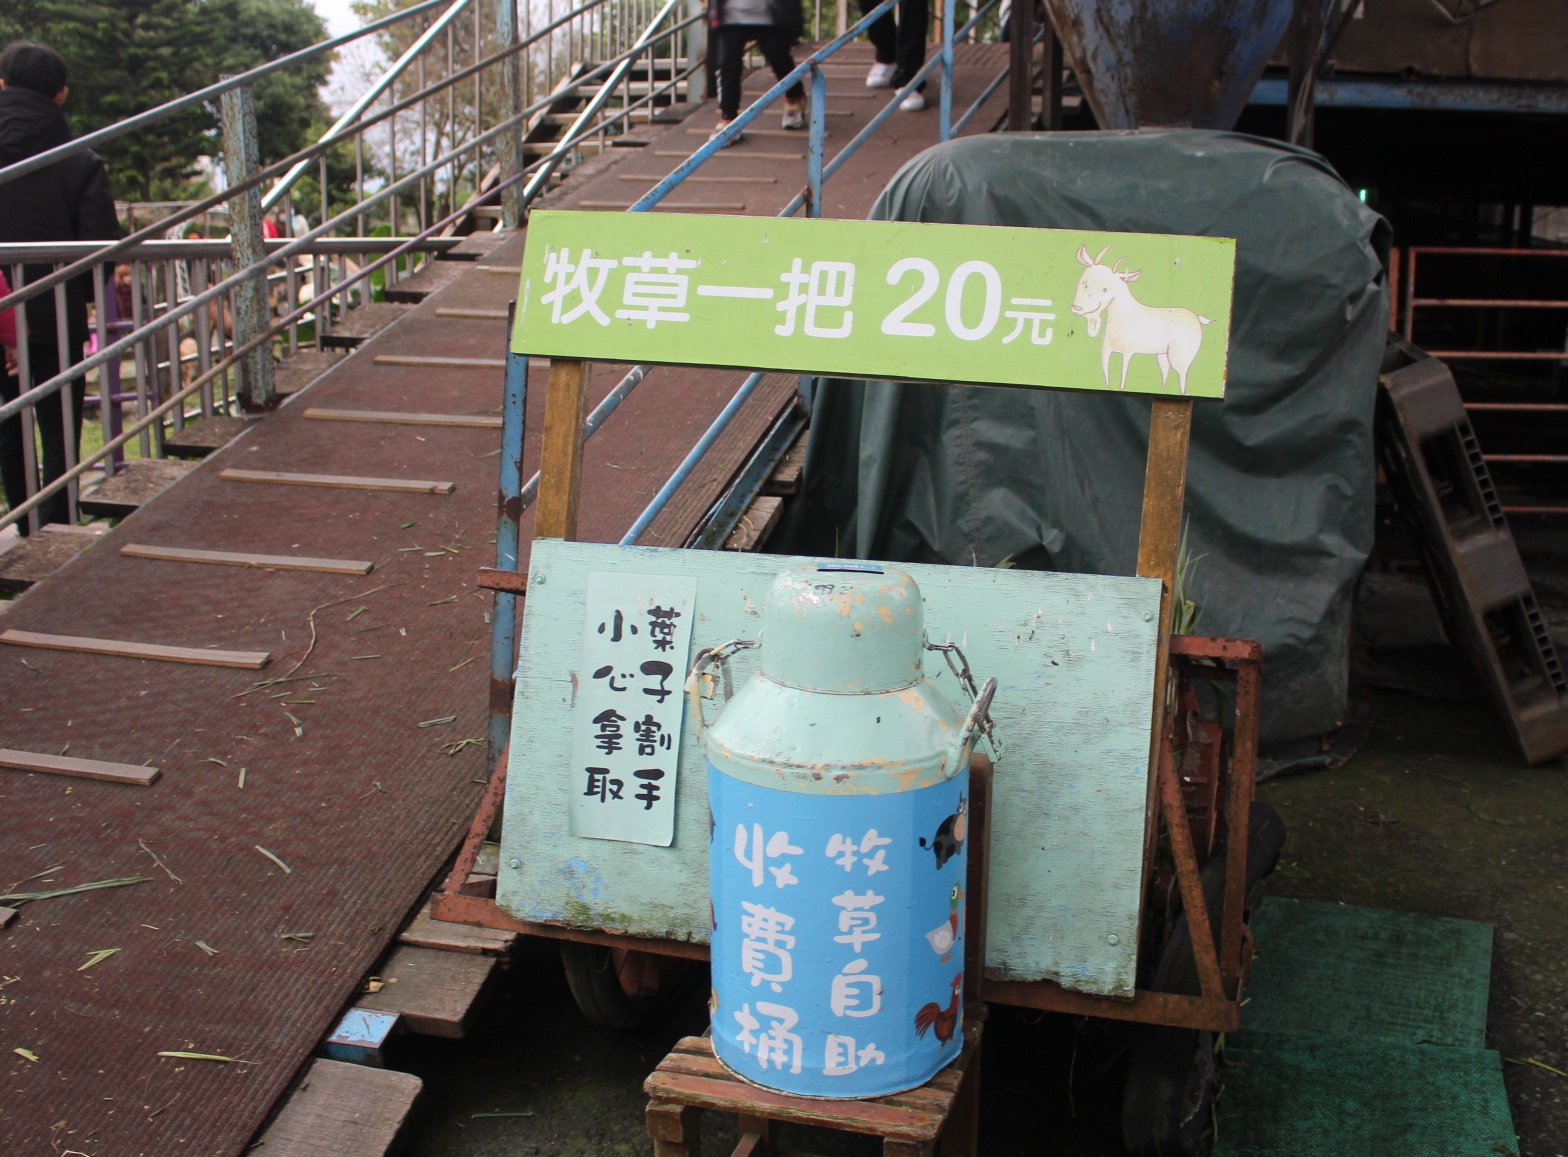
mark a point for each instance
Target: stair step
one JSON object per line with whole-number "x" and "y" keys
{"x": 293, "y": 374}
{"x": 428, "y": 278}
{"x": 204, "y": 435}
{"x": 361, "y": 324}
{"x": 423, "y": 931}
{"x": 435, "y": 990}
{"x": 34, "y": 559}
{"x": 136, "y": 483}
{"x": 341, "y": 1110}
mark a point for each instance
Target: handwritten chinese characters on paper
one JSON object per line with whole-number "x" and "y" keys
{"x": 629, "y": 708}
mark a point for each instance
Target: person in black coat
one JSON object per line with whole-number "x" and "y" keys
{"x": 66, "y": 201}
{"x": 773, "y": 26}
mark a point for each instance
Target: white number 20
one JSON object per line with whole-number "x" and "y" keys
{"x": 898, "y": 324}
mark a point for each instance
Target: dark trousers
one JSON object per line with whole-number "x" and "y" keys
{"x": 44, "y": 363}
{"x": 731, "y": 41}
{"x": 901, "y": 42}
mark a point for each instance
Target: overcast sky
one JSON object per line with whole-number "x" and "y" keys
{"x": 339, "y": 16}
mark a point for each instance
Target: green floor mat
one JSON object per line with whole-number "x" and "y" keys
{"x": 1300, "y": 1095}
{"x": 1365, "y": 974}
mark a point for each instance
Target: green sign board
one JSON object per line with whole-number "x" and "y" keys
{"x": 1051, "y": 308}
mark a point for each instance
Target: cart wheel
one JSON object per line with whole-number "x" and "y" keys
{"x": 1168, "y": 1103}
{"x": 620, "y": 987}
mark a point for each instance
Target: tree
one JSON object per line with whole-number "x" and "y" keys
{"x": 127, "y": 56}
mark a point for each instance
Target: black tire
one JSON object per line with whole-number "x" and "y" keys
{"x": 1168, "y": 1101}
{"x": 595, "y": 975}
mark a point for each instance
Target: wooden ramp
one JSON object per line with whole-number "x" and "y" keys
{"x": 306, "y": 797}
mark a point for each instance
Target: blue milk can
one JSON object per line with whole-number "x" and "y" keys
{"x": 838, "y": 787}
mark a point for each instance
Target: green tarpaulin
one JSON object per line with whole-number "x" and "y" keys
{"x": 1280, "y": 479}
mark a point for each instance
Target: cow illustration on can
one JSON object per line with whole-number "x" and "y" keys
{"x": 1172, "y": 334}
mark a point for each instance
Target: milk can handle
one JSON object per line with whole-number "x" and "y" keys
{"x": 708, "y": 657}
{"x": 979, "y": 721}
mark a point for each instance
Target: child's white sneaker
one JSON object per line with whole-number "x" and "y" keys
{"x": 914, "y": 102}
{"x": 881, "y": 75}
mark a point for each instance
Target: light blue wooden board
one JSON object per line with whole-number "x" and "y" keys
{"x": 1074, "y": 660}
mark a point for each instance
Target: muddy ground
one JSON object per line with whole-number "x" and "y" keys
{"x": 1434, "y": 814}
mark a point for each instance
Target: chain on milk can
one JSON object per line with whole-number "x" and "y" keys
{"x": 838, "y": 785}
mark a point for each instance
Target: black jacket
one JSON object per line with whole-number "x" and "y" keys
{"x": 788, "y": 15}
{"x": 67, "y": 201}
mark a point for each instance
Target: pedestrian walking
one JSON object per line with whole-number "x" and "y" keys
{"x": 66, "y": 201}
{"x": 900, "y": 46}
{"x": 774, "y": 26}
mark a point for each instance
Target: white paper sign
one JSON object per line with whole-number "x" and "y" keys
{"x": 630, "y": 704}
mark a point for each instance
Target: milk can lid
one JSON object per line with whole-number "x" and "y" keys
{"x": 846, "y": 628}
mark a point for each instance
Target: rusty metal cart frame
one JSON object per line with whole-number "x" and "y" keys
{"x": 1184, "y": 805}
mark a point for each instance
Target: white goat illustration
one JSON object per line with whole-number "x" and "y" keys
{"x": 1172, "y": 334}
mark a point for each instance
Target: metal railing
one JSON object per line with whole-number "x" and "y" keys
{"x": 1403, "y": 269}
{"x": 170, "y": 332}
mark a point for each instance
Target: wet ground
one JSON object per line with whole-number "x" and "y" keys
{"x": 1435, "y": 814}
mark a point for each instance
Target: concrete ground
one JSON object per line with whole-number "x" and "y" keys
{"x": 1435, "y": 814}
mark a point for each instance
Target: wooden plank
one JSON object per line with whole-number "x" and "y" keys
{"x": 235, "y": 558}
{"x": 6, "y": 916}
{"x": 756, "y": 524}
{"x": 561, "y": 462}
{"x": 341, "y": 1110}
{"x": 450, "y": 363}
{"x": 1159, "y": 540}
{"x": 436, "y": 991}
{"x": 247, "y": 660}
{"x": 425, "y": 931}
{"x": 511, "y": 581}
{"x": 397, "y": 418}
{"x": 735, "y": 1096}
{"x": 785, "y": 478}
{"x": 338, "y": 481}
{"x": 473, "y": 314}
{"x": 80, "y": 768}
{"x": 507, "y": 270}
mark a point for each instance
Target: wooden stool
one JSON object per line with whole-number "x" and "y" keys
{"x": 942, "y": 1112}
{"x": 691, "y": 1079}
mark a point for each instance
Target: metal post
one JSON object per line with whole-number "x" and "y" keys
{"x": 1305, "y": 40}
{"x": 106, "y": 303}
{"x": 509, "y": 148}
{"x": 241, "y": 158}
{"x": 698, "y": 87}
{"x": 816, "y": 140}
{"x": 509, "y": 511}
{"x": 1051, "y": 94}
{"x": 946, "y": 100}
{"x": 1020, "y": 79}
